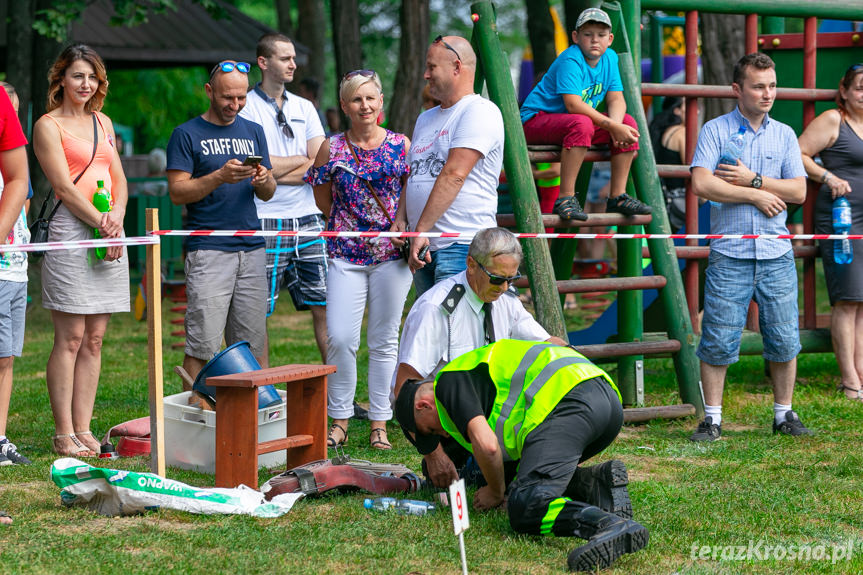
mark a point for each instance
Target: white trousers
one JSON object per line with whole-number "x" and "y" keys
{"x": 384, "y": 286}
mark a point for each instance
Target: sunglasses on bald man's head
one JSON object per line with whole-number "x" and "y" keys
{"x": 497, "y": 280}
{"x": 228, "y": 66}
{"x": 440, "y": 40}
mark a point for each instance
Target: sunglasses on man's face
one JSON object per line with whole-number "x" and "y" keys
{"x": 284, "y": 125}
{"x": 226, "y": 67}
{"x": 495, "y": 279}
{"x": 440, "y": 40}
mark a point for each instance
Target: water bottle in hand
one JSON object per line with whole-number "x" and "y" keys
{"x": 102, "y": 202}
{"x": 733, "y": 148}
{"x": 842, "y": 250}
{"x": 400, "y": 506}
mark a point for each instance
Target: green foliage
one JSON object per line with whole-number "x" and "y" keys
{"x": 54, "y": 22}
{"x": 155, "y": 101}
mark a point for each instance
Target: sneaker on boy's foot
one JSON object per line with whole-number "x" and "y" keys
{"x": 10, "y": 452}
{"x": 4, "y": 460}
{"x": 791, "y": 426}
{"x": 706, "y": 431}
{"x": 627, "y": 205}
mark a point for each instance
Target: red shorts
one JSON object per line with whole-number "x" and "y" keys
{"x": 572, "y": 131}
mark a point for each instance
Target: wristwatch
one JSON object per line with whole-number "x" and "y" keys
{"x": 756, "y": 182}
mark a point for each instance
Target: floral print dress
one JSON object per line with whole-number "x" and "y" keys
{"x": 354, "y": 207}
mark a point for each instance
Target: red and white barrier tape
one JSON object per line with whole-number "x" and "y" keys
{"x": 567, "y": 236}
{"x": 154, "y": 237}
{"x": 51, "y": 246}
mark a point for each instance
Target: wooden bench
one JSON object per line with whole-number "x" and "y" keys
{"x": 237, "y": 447}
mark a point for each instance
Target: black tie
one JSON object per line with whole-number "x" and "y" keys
{"x": 487, "y": 323}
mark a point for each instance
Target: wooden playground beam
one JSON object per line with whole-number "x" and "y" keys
{"x": 831, "y": 9}
{"x": 712, "y": 91}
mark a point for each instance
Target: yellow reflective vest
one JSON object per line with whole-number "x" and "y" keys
{"x": 531, "y": 378}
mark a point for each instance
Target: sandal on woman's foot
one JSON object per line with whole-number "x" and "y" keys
{"x": 80, "y": 449}
{"x": 378, "y": 439}
{"x": 568, "y": 208}
{"x": 332, "y": 441}
{"x": 844, "y": 389}
{"x": 89, "y": 440}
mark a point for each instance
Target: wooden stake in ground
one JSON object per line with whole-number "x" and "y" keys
{"x": 154, "y": 344}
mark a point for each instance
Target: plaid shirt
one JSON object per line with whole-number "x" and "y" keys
{"x": 772, "y": 151}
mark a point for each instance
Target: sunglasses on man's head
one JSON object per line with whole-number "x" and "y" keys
{"x": 226, "y": 67}
{"x": 440, "y": 40}
{"x": 284, "y": 125}
{"x": 495, "y": 279}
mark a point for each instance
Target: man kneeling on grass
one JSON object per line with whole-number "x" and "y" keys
{"x": 548, "y": 408}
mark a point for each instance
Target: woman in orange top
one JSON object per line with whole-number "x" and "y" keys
{"x": 80, "y": 289}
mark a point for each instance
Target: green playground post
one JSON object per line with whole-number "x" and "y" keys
{"x": 495, "y": 70}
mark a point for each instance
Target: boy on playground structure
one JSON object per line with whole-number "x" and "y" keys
{"x": 561, "y": 109}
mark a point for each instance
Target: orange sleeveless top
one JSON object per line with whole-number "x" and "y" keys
{"x": 78, "y": 152}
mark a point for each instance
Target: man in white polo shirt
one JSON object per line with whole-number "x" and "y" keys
{"x": 294, "y": 134}
{"x": 462, "y": 313}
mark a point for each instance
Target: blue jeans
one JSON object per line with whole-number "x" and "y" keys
{"x": 445, "y": 262}
{"x": 729, "y": 285}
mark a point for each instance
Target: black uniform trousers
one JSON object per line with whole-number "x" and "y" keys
{"x": 583, "y": 424}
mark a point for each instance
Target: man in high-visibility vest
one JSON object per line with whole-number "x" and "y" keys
{"x": 548, "y": 408}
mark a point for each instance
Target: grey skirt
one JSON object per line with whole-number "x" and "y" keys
{"x": 76, "y": 281}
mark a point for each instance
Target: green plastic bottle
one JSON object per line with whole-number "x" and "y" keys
{"x": 102, "y": 202}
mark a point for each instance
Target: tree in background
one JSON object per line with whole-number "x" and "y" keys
{"x": 311, "y": 33}
{"x": 723, "y": 42}
{"x": 406, "y": 99}
{"x": 540, "y": 30}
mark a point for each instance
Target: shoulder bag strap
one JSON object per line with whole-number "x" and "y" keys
{"x": 78, "y": 177}
{"x": 366, "y": 182}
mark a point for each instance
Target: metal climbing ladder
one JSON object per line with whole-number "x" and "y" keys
{"x": 549, "y": 270}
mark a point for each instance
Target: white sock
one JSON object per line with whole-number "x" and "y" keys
{"x": 779, "y": 412}
{"x": 714, "y": 412}
{"x": 2, "y": 438}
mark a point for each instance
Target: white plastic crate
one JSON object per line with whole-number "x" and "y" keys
{"x": 190, "y": 434}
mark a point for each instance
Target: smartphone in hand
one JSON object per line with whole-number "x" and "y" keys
{"x": 422, "y": 253}
{"x": 252, "y": 160}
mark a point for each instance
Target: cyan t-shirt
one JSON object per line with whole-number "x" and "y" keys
{"x": 199, "y": 147}
{"x": 570, "y": 74}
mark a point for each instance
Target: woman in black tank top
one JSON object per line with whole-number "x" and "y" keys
{"x": 669, "y": 141}
{"x": 837, "y": 136}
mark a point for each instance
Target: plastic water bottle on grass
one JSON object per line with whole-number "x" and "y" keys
{"x": 843, "y": 253}
{"x": 400, "y": 506}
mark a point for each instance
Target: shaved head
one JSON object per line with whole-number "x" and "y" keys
{"x": 450, "y": 69}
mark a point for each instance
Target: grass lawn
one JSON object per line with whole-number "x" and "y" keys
{"x": 749, "y": 489}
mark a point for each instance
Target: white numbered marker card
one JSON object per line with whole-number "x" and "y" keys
{"x": 458, "y": 504}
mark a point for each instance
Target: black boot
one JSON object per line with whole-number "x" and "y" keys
{"x": 608, "y": 537}
{"x": 604, "y": 486}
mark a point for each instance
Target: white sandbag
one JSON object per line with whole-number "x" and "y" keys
{"x": 116, "y": 492}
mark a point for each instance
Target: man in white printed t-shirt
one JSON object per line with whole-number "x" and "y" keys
{"x": 294, "y": 133}
{"x": 455, "y": 160}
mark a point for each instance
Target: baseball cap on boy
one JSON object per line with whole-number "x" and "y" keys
{"x": 592, "y": 15}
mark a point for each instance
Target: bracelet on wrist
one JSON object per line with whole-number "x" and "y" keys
{"x": 825, "y": 176}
